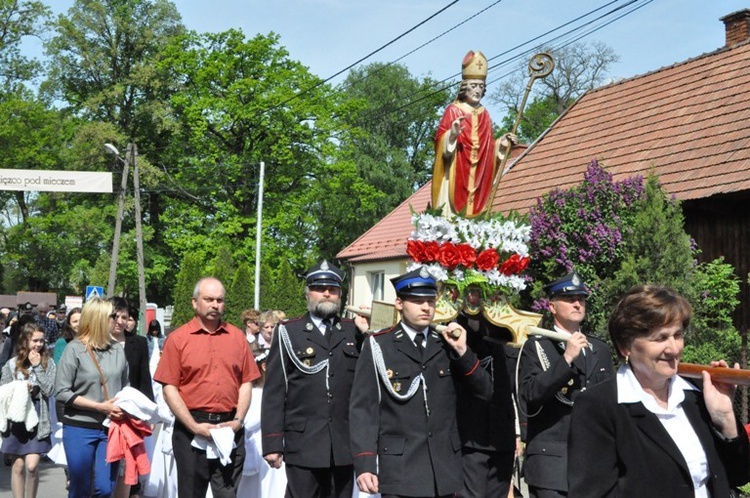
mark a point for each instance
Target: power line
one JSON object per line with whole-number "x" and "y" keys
{"x": 420, "y": 47}
{"x": 445, "y": 83}
{"x": 392, "y": 41}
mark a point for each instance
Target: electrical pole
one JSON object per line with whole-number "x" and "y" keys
{"x": 258, "y": 235}
{"x": 118, "y": 225}
{"x": 133, "y": 153}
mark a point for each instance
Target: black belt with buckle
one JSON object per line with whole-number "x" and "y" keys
{"x": 201, "y": 416}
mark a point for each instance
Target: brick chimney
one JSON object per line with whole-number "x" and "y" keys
{"x": 737, "y": 26}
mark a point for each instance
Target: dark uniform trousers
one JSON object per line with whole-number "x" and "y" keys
{"x": 304, "y": 415}
{"x": 195, "y": 471}
{"x": 487, "y": 428}
{"x": 546, "y": 397}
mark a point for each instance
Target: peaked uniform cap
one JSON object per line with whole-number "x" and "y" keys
{"x": 415, "y": 283}
{"x": 324, "y": 273}
{"x": 569, "y": 285}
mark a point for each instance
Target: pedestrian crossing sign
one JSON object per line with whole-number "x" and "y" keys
{"x": 93, "y": 291}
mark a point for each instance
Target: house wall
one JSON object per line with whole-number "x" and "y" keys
{"x": 361, "y": 275}
{"x": 720, "y": 227}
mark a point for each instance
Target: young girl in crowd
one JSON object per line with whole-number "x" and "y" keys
{"x": 69, "y": 331}
{"x": 34, "y": 367}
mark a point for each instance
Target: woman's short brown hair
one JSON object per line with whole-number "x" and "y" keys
{"x": 250, "y": 316}
{"x": 643, "y": 309}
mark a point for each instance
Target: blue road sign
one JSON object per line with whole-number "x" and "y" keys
{"x": 93, "y": 291}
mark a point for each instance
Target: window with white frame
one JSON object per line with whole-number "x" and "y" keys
{"x": 377, "y": 284}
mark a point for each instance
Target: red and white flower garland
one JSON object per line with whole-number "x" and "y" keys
{"x": 463, "y": 251}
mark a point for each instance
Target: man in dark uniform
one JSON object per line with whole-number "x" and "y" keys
{"x": 552, "y": 373}
{"x": 305, "y": 408}
{"x": 487, "y": 428}
{"x": 403, "y": 410}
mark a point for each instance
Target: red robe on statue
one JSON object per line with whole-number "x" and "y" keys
{"x": 467, "y": 178}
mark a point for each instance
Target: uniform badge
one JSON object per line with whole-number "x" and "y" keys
{"x": 324, "y": 265}
{"x": 338, "y": 326}
{"x": 441, "y": 372}
{"x": 309, "y": 350}
{"x": 397, "y": 386}
{"x": 571, "y": 382}
{"x": 576, "y": 280}
{"x": 309, "y": 327}
{"x": 307, "y": 362}
{"x": 350, "y": 344}
{"x": 564, "y": 390}
{"x": 389, "y": 373}
{"x": 424, "y": 272}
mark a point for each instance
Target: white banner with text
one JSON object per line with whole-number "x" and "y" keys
{"x": 55, "y": 181}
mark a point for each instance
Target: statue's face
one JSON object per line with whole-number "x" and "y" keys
{"x": 474, "y": 91}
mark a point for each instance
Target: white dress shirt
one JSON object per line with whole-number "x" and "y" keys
{"x": 674, "y": 420}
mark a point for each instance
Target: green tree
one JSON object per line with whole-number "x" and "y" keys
{"x": 222, "y": 266}
{"x": 102, "y": 57}
{"x": 267, "y": 288}
{"x": 289, "y": 291}
{"x": 19, "y": 20}
{"x": 390, "y": 119}
{"x": 102, "y": 69}
{"x": 243, "y": 295}
{"x": 234, "y": 107}
{"x": 712, "y": 334}
{"x": 655, "y": 246}
{"x": 191, "y": 270}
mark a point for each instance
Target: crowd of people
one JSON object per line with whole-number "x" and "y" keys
{"x": 320, "y": 406}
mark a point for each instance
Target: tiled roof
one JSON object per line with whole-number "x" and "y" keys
{"x": 689, "y": 123}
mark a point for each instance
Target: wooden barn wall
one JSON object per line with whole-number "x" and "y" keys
{"x": 721, "y": 227}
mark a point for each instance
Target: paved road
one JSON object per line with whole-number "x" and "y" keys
{"x": 51, "y": 481}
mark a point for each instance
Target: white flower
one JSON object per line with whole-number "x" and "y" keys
{"x": 507, "y": 237}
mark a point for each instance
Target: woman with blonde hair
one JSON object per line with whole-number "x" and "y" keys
{"x": 34, "y": 367}
{"x": 91, "y": 369}
{"x": 268, "y": 321}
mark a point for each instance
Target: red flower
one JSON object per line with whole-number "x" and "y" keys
{"x": 431, "y": 251}
{"x": 448, "y": 257}
{"x": 488, "y": 259}
{"x": 524, "y": 263}
{"x": 468, "y": 255}
{"x": 514, "y": 264}
{"x": 415, "y": 249}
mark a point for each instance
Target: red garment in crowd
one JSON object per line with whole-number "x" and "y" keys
{"x": 125, "y": 441}
{"x": 207, "y": 368}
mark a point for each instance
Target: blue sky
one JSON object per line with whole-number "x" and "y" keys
{"x": 329, "y": 35}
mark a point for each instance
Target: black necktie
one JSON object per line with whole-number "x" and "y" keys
{"x": 419, "y": 341}
{"x": 327, "y": 329}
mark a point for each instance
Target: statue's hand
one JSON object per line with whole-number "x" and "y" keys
{"x": 509, "y": 139}
{"x": 456, "y": 128}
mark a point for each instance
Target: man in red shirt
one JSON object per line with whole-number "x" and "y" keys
{"x": 207, "y": 370}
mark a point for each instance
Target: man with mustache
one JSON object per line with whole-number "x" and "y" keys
{"x": 551, "y": 375}
{"x": 404, "y": 432}
{"x": 305, "y": 408}
{"x": 206, "y": 370}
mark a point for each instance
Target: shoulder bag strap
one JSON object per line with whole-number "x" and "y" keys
{"x": 101, "y": 374}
